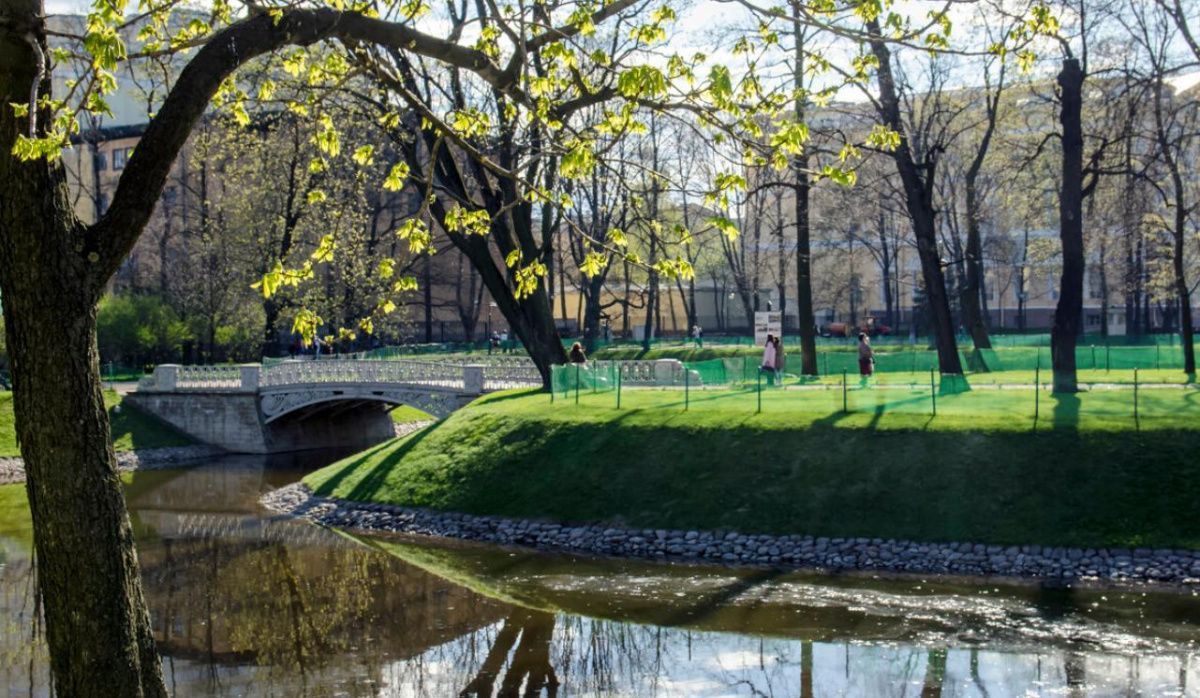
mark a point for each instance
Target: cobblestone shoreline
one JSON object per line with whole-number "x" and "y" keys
{"x": 1123, "y": 565}
{"x": 12, "y": 469}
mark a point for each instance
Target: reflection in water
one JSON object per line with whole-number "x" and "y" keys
{"x": 244, "y": 603}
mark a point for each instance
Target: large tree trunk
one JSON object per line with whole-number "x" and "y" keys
{"x": 918, "y": 194}
{"x": 592, "y": 290}
{"x": 1186, "y": 328}
{"x": 804, "y": 300}
{"x": 97, "y": 626}
{"x": 972, "y": 295}
{"x": 1065, "y": 332}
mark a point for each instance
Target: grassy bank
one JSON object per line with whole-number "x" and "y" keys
{"x": 131, "y": 429}
{"x": 1083, "y": 482}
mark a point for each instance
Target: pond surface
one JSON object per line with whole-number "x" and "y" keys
{"x": 248, "y": 604}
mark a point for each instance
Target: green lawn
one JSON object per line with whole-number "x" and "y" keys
{"x": 131, "y": 428}
{"x": 403, "y": 414}
{"x": 1077, "y": 481}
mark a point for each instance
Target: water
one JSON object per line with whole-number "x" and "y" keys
{"x": 244, "y": 604}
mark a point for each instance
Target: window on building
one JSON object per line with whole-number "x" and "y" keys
{"x": 120, "y": 157}
{"x": 101, "y": 162}
{"x": 103, "y": 204}
{"x": 169, "y": 195}
{"x": 1093, "y": 319}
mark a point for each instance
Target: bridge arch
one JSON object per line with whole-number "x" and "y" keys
{"x": 302, "y": 402}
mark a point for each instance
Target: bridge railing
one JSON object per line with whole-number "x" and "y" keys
{"x": 171, "y": 377}
{"x": 518, "y": 373}
{"x": 429, "y": 373}
{"x": 249, "y": 378}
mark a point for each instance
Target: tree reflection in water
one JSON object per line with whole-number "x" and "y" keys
{"x": 532, "y": 632}
{"x": 244, "y": 604}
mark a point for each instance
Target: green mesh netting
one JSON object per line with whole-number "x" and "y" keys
{"x": 738, "y": 385}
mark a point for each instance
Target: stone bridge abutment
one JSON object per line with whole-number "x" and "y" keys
{"x": 308, "y": 404}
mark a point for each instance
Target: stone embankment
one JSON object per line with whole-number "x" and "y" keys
{"x": 13, "y": 469}
{"x": 968, "y": 559}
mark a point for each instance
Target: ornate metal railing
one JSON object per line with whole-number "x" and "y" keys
{"x": 466, "y": 377}
{"x": 428, "y": 373}
{"x": 209, "y": 377}
{"x": 510, "y": 373}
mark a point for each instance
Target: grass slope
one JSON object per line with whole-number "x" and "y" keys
{"x": 131, "y": 429}
{"x": 891, "y": 475}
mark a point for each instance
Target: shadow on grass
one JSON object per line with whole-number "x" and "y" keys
{"x": 143, "y": 430}
{"x": 373, "y": 479}
{"x": 493, "y": 398}
{"x": 1066, "y": 411}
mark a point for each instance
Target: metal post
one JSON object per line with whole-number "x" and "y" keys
{"x": 760, "y": 391}
{"x": 552, "y": 384}
{"x": 687, "y": 383}
{"x": 1157, "y": 352}
{"x": 618, "y": 386}
{"x": 1093, "y": 356}
{"x": 576, "y": 384}
{"x": 845, "y": 399}
{"x": 1135, "y": 396}
{"x": 1107, "y": 357}
{"x": 933, "y": 392}
{"x": 1037, "y": 394}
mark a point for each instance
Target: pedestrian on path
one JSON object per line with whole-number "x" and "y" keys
{"x": 866, "y": 358}
{"x": 768, "y": 359}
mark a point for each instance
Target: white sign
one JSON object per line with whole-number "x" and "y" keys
{"x": 767, "y": 322}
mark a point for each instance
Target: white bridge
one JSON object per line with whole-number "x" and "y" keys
{"x": 298, "y": 404}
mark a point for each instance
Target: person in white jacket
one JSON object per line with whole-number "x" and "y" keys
{"x": 768, "y": 359}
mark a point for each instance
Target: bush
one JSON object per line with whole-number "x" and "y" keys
{"x": 139, "y": 330}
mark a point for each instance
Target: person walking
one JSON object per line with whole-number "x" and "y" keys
{"x": 866, "y": 358}
{"x": 698, "y": 336}
{"x": 768, "y": 359}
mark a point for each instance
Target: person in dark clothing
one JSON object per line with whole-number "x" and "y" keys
{"x": 577, "y": 356}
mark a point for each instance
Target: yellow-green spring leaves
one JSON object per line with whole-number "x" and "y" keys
{"x": 306, "y": 323}
{"x": 324, "y": 252}
{"x": 725, "y": 226}
{"x": 883, "y": 138}
{"x": 460, "y": 220}
{"x": 417, "y": 234}
{"x": 278, "y": 277}
{"x": 593, "y": 263}
{"x": 396, "y": 177}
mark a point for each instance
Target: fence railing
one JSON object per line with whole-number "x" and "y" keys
{"x": 467, "y": 377}
{"x": 349, "y": 371}
{"x": 734, "y": 386}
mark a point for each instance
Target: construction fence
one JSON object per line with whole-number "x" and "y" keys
{"x": 734, "y": 386}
